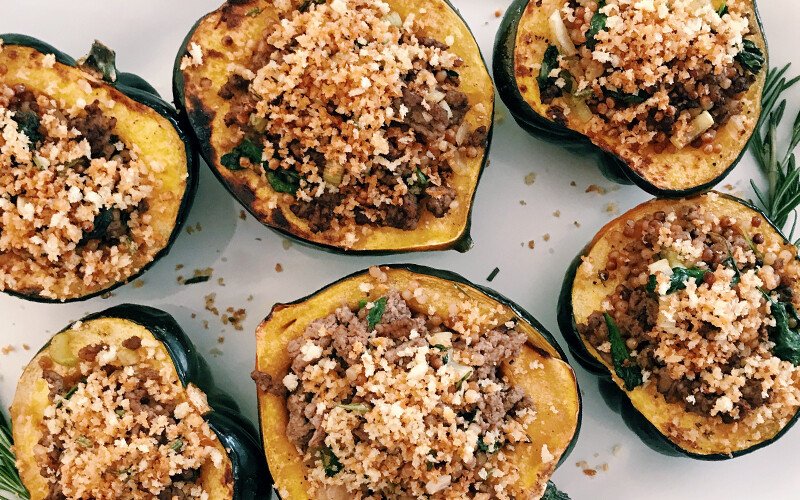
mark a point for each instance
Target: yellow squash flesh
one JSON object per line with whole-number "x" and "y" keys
{"x": 554, "y": 383}
{"x": 137, "y": 124}
{"x": 32, "y": 397}
{"x": 589, "y": 292}
{"x": 679, "y": 170}
{"x": 203, "y": 105}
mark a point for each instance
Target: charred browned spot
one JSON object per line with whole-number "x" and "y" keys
{"x": 556, "y": 113}
{"x": 228, "y": 474}
{"x": 279, "y": 219}
{"x": 541, "y": 352}
{"x": 201, "y": 117}
{"x": 214, "y": 54}
{"x": 242, "y": 193}
{"x": 227, "y": 40}
{"x": 523, "y": 89}
{"x": 231, "y": 15}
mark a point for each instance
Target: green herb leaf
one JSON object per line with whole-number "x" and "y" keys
{"x": 482, "y": 446}
{"x": 680, "y": 275}
{"x": 308, "y": 3}
{"x": 730, "y": 263}
{"x": 197, "y": 279}
{"x": 751, "y": 58}
{"x": 284, "y": 181}
{"x": 422, "y": 179}
{"x": 440, "y": 347}
{"x": 28, "y": 124}
{"x": 628, "y": 99}
{"x": 463, "y": 379}
{"x": 102, "y": 60}
{"x": 120, "y": 412}
{"x": 9, "y": 476}
{"x": 782, "y": 195}
{"x": 354, "y": 407}
{"x": 176, "y": 445}
{"x": 549, "y": 63}
{"x": 625, "y": 367}
{"x": 723, "y": 8}
{"x": 330, "y": 462}
{"x": 362, "y": 303}
{"x": 247, "y": 149}
{"x": 596, "y": 25}
{"x": 376, "y": 313}
{"x": 787, "y": 340}
{"x": 553, "y": 493}
{"x": 254, "y": 12}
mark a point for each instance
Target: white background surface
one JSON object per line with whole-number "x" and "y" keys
{"x": 146, "y": 35}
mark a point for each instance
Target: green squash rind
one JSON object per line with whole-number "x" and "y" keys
{"x": 136, "y": 88}
{"x": 617, "y": 398}
{"x": 518, "y": 310}
{"x": 251, "y": 478}
{"x": 202, "y": 137}
{"x": 611, "y": 166}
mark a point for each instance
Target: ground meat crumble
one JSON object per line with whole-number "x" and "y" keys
{"x": 353, "y": 111}
{"x": 117, "y": 427}
{"x": 660, "y": 73}
{"x": 415, "y": 406}
{"x": 708, "y": 343}
{"x": 73, "y": 196}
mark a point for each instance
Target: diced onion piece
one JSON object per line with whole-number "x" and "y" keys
{"x": 561, "y": 34}
{"x": 394, "y": 19}
{"x": 127, "y": 357}
{"x": 700, "y": 124}
{"x": 580, "y": 110}
{"x": 661, "y": 266}
{"x": 61, "y": 350}
{"x": 436, "y": 485}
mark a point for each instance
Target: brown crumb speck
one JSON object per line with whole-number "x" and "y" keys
{"x": 278, "y": 268}
{"x": 594, "y": 188}
{"x": 26, "y": 347}
{"x": 546, "y": 237}
{"x": 287, "y": 244}
{"x": 138, "y": 283}
{"x": 523, "y": 202}
{"x": 557, "y": 213}
{"x": 498, "y": 13}
{"x": 531, "y": 244}
{"x": 7, "y": 349}
{"x": 576, "y": 224}
{"x": 590, "y": 472}
{"x": 242, "y": 215}
{"x": 530, "y": 178}
{"x": 573, "y": 183}
{"x": 221, "y": 339}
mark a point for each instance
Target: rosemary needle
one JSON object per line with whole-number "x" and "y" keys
{"x": 782, "y": 195}
{"x": 9, "y": 477}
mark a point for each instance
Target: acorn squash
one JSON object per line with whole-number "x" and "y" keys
{"x": 554, "y": 384}
{"x": 143, "y": 124}
{"x": 668, "y": 425}
{"x": 225, "y": 38}
{"x": 242, "y": 473}
{"x": 525, "y": 35}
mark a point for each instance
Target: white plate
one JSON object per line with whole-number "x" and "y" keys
{"x": 146, "y": 35}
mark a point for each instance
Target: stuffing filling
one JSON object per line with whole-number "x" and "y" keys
{"x": 118, "y": 428}
{"x": 73, "y": 196}
{"x": 386, "y": 402}
{"x": 705, "y": 314}
{"x": 664, "y": 74}
{"x": 355, "y": 113}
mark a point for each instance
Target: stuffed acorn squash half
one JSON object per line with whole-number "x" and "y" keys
{"x": 665, "y": 93}
{"x": 354, "y": 125}
{"x": 405, "y": 381}
{"x": 120, "y": 405}
{"x": 98, "y": 175}
{"x": 689, "y": 309}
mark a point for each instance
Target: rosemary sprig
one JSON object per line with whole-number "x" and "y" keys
{"x": 9, "y": 477}
{"x": 783, "y": 189}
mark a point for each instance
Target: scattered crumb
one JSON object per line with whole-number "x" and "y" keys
{"x": 573, "y": 183}
{"x": 205, "y": 324}
{"x": 530, "y": 178}
{"x": 7, "y": 349}
{"x": 220, "y": 339}
{"x": 242, "y": 215}
{"x": 577, "y": 224}
{"x": 523, "y": 202}
{"x": 178, "y": 267}
{"x": 199, "y": 276}
{"x": 612, "y": 208}
{"x": 493, "y": 274}
{"x": 594, "y": 188}
{"x": 215, "y": 352}
{"x": 557, "y": 213}
{"x": 249, "y": 298}
{"x": 107, "y": 295}
{"x": 616, "y": 449}
{"x": 278, "y": 268}
{"x": 194, "y": 315}
{"x": 234, "y": 317}
{"x": 590, "y": 472}
{"x": 531, "y": 244}
{"x": 498, "y": 13}
{"x": 582, "y": 464}
{"x": 138, "y": 283}
{"x": 499, "y": 117}
{"x": 210, "y": 307}
{"x": 546, "y": 237}
{"x": 221, "y": 281}
{"x": 603, "y": 467}
{"x": 26, "y": 347}
{"x": 729, "y": 187}
{"x": 287, "y": 244}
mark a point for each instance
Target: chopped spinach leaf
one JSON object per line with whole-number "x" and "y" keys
{"x": 624, "y": 366}
{"x": 463, "y": 379}
{"x": 486, "y": 448}
{"x": 362, "y": 303}
{"x": 103, "y": 60}
{"x": 28, "y": 124}
{"x": 176, "y": 445}
{"x": 196, "y": 279}
{"x": 330, "y": 462}
{"x": 247, "y": 149}
{"x": 376, "y": 313}
{"x": 284, "y": 181}
{"x": 737, "y": 274}
{"x": 723, "y": 8}
{"x": 553, "y": 493}
{"x": 596, "y": 25}
{"x": 751, "y": 58}
{"x": 786, "y": 339}
{"x": 440, "y": 347}
{"x": 549, "y": 63}
{"x": 629, "y": 99}
{"x": 308, "y": 3}
{"x": 354, "y": 407}
{"x": 680, "y": 275}
{"x": 452, "y": 73}
{"x": 422, "y": 179}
